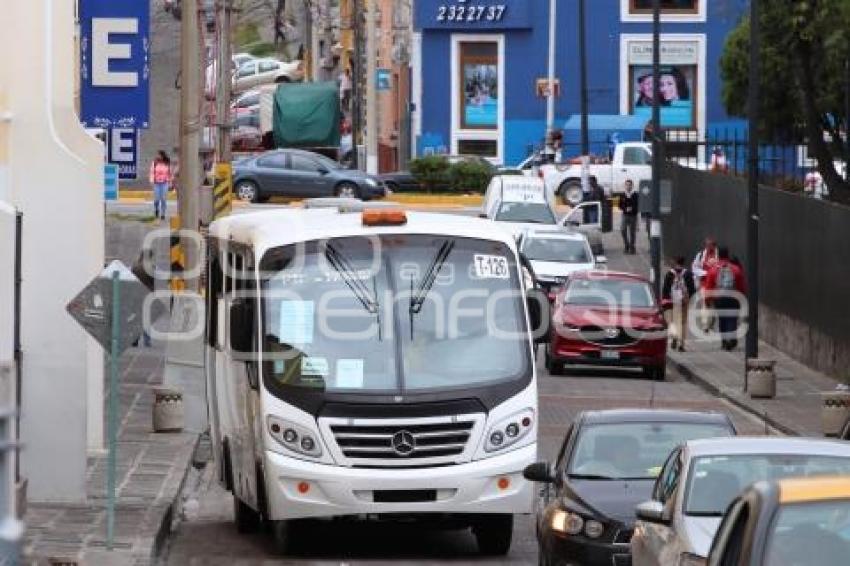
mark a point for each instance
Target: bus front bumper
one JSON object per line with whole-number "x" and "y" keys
{"x": 299, "y": 489}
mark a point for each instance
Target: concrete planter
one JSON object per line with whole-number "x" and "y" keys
{"x": 761, "y": 378}
{"x": 167, "y": 410}
{"x": 834, "y": 411}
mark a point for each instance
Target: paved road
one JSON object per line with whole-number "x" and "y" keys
{"x": 208, "y": 535}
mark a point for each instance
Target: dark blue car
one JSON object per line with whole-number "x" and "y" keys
{"x": 301, "y": 174}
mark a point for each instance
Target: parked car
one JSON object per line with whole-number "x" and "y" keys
{"x": 606, "y": 465}
{"x": 302, "y": 174}
{"x": 791, "y": 522}
{"x": 246, "y": 138}
{"x": 610, "y": 319}
{"x": 555, "y": 254}
{"x": 240, "y": 59}
{"x": 266, "y": 71}
{"x": 247, "y": 100}
{"x": 519, "y": 203}
{"x": 701, "y": 478}
{"x": 632, "y": 160}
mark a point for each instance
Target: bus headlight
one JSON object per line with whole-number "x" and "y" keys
{"x": 297, "y": 438}
{"x": 509, "y": 431}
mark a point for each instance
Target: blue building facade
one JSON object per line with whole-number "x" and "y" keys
{"x": 480, "y": 69}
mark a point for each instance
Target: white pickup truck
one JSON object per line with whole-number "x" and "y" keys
{"x": 632, "y": 160}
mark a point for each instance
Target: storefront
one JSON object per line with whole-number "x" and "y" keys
{"x": 479, "y": 65}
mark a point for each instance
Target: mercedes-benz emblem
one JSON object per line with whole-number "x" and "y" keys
{"x": 612, "y": 332}
{"x": 403, "y": 443}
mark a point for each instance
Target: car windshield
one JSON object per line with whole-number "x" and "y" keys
{"x": 556, "y": 249}
{"x": 634, "y": 450}
{"x": 532, "y": 212}
{"x": 716, "y": 480}
{"x": 810, "y": 534}
{"x": 614, "y": 293}
{"x": 358, "y": 315}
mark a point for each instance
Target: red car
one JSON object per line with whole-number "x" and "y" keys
{"x": 604, "y": 318}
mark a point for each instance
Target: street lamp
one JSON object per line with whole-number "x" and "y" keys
{"x": 550, "y": 95}
{"x": 585, "y": 143}
{"x": 752, "y": 344}
{"x": 655, "y": 222}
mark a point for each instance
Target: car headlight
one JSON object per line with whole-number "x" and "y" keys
{"x": 593, "y": 528}
{"x": 509, "y": 431}
{"x": 296, "y": 438}
{"x": 688, "y": 559}
{"x": 371, "y": 182}
{"x": 566, "y": 522}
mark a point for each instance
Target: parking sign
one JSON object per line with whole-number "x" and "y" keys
{"x": 123, "y": 151}
{"x": 114, "y": 63}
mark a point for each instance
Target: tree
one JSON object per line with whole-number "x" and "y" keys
{"x": 805, "y": 47}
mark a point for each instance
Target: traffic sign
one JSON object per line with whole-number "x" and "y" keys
{"x": 114, "y": 63}
{"x": 92, "y": 307}
{"x": 123, "y": 151}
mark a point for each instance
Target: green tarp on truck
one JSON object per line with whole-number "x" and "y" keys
{"x": 306, "y": 115}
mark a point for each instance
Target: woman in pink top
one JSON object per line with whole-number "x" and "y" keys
{"x": 160, "y": 177}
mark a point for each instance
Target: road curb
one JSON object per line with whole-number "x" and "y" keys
{"x": 739, "y": 401}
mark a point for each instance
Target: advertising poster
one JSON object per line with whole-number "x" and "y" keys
{"x": 481, "y": 95}
{"x": 677, "y": 94}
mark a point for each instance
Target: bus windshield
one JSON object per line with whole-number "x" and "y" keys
{"x": 393, "y": 314}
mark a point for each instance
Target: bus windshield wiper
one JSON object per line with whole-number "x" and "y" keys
{"x": 367, "y": 298}
{"x": 417, "y": 299}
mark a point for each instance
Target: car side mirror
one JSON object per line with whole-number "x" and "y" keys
{"x": 651, "y": 511}
{"x": 540, "y": 472}
{"x": 322, "y": 171}
{"x": 242, "y": 326}
{"x": 539, "y": 312}
{"x": 482, "y": 215}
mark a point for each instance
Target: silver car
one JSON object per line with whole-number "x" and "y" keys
{"x": 701, "y": 478}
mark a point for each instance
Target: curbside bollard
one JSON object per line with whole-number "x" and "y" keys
{"x": 761, "y": 378}
{"x": 835, "y": 411}
{"x": 167, "y": 410}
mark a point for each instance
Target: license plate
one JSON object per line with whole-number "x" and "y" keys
{"x": 610, "y": 355}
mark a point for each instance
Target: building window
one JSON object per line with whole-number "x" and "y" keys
{"x": 479, "y": 81}
{"x": 678, "y": 88}
{"x": 667, "y": 6}
{"x": 481, "y": 148}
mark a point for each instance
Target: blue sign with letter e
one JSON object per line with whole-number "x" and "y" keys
{"x": 114, "y": 63}
{"x": 124, "y": 152}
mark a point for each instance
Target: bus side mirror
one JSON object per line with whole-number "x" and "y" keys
{"x": 242, "y": 325}
{"x": 539, "y": 309}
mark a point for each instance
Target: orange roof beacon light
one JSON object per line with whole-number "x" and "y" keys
{"x": 383, "y": 217}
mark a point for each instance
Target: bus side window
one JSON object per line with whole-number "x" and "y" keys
{"x": 216, "y": 279}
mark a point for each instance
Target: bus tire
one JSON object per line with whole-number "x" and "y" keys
{"x": 493, "y": 533}
{"x": 247, "y": 520}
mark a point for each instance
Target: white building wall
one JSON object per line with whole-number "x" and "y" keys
{"x": 54, "y": 176}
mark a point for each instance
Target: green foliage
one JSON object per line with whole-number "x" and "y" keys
{"x": 431, "y": 171}
{"x": 469, "y": 176}
{"x": 804, "y": 48}
{"x": 245, "y": 35}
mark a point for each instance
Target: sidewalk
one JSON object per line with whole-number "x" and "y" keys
{"x": 151, "y": 471}
{"x": 796, "y": 409}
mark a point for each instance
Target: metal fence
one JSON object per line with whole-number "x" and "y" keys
{"x": 802, "y": 245}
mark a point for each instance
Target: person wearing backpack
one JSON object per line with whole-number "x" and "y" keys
{"x": 723, "y": 281}
{"x": 678, "y": 288}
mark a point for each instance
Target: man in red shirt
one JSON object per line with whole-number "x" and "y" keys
{"x": 723, "y": 286}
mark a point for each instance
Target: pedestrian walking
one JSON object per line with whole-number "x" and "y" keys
{"x": 702, "y": 264}
{"x": 678, "y": 288}
{"x": 161, "y": 178}
{"x": 723, "y": 286}
{"x": 628, "y": 223}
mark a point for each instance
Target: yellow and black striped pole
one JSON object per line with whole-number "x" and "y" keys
{"x": 223, "y": 190}
{"x": 178, "y": 257}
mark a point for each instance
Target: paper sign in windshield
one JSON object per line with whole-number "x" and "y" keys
{"x": 349, "y": 374}
{"x": 314, "y": 366}
{"x": 490, "y": 266}
{"x": 296, "y": 322}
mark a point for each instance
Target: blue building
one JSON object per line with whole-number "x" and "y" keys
{"x": 479, "y": 69}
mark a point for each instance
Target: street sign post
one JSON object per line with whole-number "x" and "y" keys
{"x": 109, "y": 308}
{"x": 114, "y": 63}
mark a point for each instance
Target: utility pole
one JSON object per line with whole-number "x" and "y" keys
{"x": 752, "y": 344}
{"x": 550, "y": 98}
{"x": 357, "y": 84}
{"x": 222, "y": 96}
{"x": 190, "y": 132}
{"x": 655, "y": 222}
{"x": 585, "y": 142}
{"x": 308, "y": 40}
{"x": 371, "y": 94}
